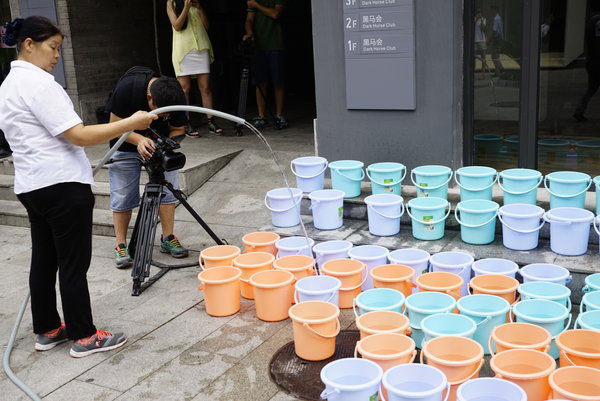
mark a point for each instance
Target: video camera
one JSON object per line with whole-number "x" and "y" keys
{"x": 164, "y": 157}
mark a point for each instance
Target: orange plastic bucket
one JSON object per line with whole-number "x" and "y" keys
{"x": 251, "y": 263}
{"x": 460, "y": 359}
{"x": 519, "y": 336}
{"x": 315, "y": 325}
{"x": 527, "y": 368}
{"x": 349, "y": 272}
{"x": 299, "y": 265}
{"x": 495, "y": 284}
{"x": 397, "y": 277}
{"x": 579, "y": 348}
{"x": 578, "y": 383}
{"x": 272, "y": 294}
{"x": 381, "y": 321}
{"x": 260, "y": 242}
{"x": 218, "y": 255}
{"x": 221, "y": 286}
{"x": 445, "y": 282}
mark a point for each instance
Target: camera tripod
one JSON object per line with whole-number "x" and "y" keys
{"x": 142, "y": 240}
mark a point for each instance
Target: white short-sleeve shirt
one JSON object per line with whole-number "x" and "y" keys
{"x": 34, "y": 112}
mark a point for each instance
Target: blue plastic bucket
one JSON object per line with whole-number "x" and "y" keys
{"x": 386, "y": 178}
{"x": 346, "y": 176}
{"x": 327, "y": 207}
{"x": 285, "y": 210}
{"x": 488, "y": 311}
{"x": 597, "y": 184}
{"x": 294, "y": 246}
{"x": 317, "y": 288}
{"x": 454, "y": 262}
{"x": 520, "y": 185}
{"x": 415, "y": 382}
{"x": 592, "y": 283}
{"x": 569, "y": 230}
{"x": 428, "y": 215}
{"x": 487, "y": 146}
{"x": 384, "y": 212}
{"x": 378, "y": 299}
{"x": 590, "y": 301}
{"x": 431, "y": 180}
{"x": 351, "y": 379}
{"x": 329, "y": 250}
{"x": 490, "y": 389}
{"x": 588, "y": 320}
{"x": 546, "y": 290}
{"x": 547, "y": 314}
{"x": 567, "y": 188}
{"x": 477, "y": 221}
{"x": 447, "y": 324}
{"x": 422, "y": 304}
{"x": 495, "y": 266}
{"x": 475, "y": 182}
{"x": 521, "y": 225}
{"x": 371, "y": 256}
{"x": 418, "y": 259}
{"x": 545, "y": 272}
{"x": 309, "y": 172}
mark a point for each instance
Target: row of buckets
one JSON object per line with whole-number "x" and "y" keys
{"x": 519, "y": 185}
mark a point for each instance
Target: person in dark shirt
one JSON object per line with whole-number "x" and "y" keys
{"x": 124, "y": 177}
{"x": 592, "y": 64}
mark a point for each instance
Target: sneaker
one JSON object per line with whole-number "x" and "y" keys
{"x": 172, "y": 245}
{"x": 281, "y": 123}
{"x": 122, "y": 258}
{"x": 259, "y": 122}
{"x": 50, "y": 339}
{"x": 99, "y": 342}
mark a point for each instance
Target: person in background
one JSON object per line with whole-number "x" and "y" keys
{"x": 480, "y": 40}
{"x": 192, "y": 53}
{"x": 263, "y": 24}
{"x": 52, "y": 180}
{"x": 496, "y": 41}
{"x": 592, "y": 62}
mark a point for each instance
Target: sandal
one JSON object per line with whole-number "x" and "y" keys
{"x": 213, "y": 128}
{"x": 191, "y": 132}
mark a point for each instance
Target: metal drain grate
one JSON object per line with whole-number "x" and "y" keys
{"x": 302, "y": 378}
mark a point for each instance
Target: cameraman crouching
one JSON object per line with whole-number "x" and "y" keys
{"x": 143, "y": 89}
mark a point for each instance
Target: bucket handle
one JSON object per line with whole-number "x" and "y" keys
{"x": 566, "y": 326}
{"x": 354, "y": 307}
{"x": 520, "y": 192}
{"x": 472, "y": 375}
{"x": 566, "y": 196}
{"x": 282, "y": 210}
{"x": 389, "y": 184}
{"x": 355, "y": 287}
{"x": 308, "y": 176}
{"x": 490, "y": 344}
{"x": 520, "y": 231}
{"x": 569, "y": 304}
{"x": 326, "y": 394}
{"x": 473, "y": 225}
{"x": 350, "y": 178}
{"x": 449, "y": 206}
{"x": 586, "y": 288}
{"x": 429, "y": 188}
{"x": 484, "y": 321}
{"x": 564, "y": 354}
{"x": 576, "y": 324}
{"x": 337, "y": 330}
{"x": 456, "y": 179}
{"x": 596, "y": 222}
{"x": 560, "y": 222}
{"x": 386, "y": 216}
{"x": 581, "y": 307}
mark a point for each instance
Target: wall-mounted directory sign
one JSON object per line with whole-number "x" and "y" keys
{"x": 379, "y": 42}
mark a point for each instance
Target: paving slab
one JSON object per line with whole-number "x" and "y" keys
{"x": 349, "y": 228}
{"x": 282, "y": 396}
{"x": 76, "y": 390}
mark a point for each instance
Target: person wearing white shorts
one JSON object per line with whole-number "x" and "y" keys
{"x": 192, "y": 53}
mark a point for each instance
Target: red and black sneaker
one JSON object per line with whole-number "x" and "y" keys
{"x": 50, "y": 339}
{"x": 99, "y": 342}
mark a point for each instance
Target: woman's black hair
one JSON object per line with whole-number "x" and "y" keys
{"x": 36, "y": 28}
{"x": 179, "y": 4}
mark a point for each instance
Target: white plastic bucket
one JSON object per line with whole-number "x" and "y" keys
{"x": 309, "y": 172}
{"x": 490, "y": 389}
{"x": 371, "y": 256}
{"x": 327, "y": 207}
{"x": 351, "y": 379}
{"x": 384, "y": 212}
{"x": 318, "y": 288}
{"x": 329, "y": 250}
{"x": 285, "y": 210}
{"x": 495, "y": 266}
{"x": 415, "y": 382}
{"x": 569, "y": 230}
{"x": 418, "y": 259}
{"x": 521, "y": 226}
{"x": 454, "y": 262}
{"x": 545, "y": 272}
{"x": 294, "y": 246}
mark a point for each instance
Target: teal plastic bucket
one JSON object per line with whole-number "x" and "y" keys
{"x": 384, "y": 212}
{"x": 477, "y": 219}
{"x": 487, "y": 311}
{"x": 592, "y": 283}
{"x": 590, "y": 301}
{"x": 351, "y": 379}
{"x": 422, "y": 304}
{"x": 487, "y": 146}
{"x": 553, "y": 150}
{"x": 431, "y": 180}
{"x": 547, "y": 314}
{"x": 567, "y": 188}
{"x": 447, "y": 324}
{"x": 546, "y": 290}
{"x": 511, "y": 143}
{"x": 588, "y": 320}
{"x": 428, "y": 217}
{"x": 346, "y": 176}
{"x": 476, "y": 182}
{"x": 386, "y": 178}
{"x": 597, "y": 184}
{"x": 378, "y": 299}
{"x": 588, "y": 151}
{"x": 520, "y": 185}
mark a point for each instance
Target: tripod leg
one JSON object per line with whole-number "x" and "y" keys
{"x": 243, "y": 99}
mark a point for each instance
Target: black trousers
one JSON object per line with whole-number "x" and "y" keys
{"x": 593, "y": 71}
{"x": 61, "y": 236}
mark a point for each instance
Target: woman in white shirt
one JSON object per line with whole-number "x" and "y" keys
{"x": 52, "y": 180}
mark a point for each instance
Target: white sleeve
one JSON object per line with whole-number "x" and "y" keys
{"x": 53, "y": 108}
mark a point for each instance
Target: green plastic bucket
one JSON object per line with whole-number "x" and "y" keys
{"x": 386, "y": 177}
{"x": 428, "y": 217}
{"x": 567, "y": 188}
{"x": 431, "y": 180}
{"x": 520, "y": 185}
{"x": 475, "y": 182}
{"x": 477, "y": 219}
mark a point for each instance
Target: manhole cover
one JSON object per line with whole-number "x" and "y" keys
{"x": 505, "y": 104}
{"x": 302, "y": 378}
